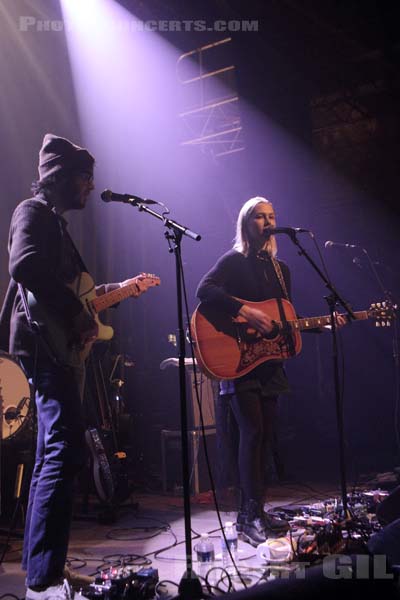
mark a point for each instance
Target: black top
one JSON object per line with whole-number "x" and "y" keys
{"x": 43, "y": 259}
{"x": 248, "y": 277}
{"x": 254, "y": 279}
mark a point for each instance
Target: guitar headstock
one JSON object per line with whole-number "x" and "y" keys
{"x": 149, "y": 279}
{"x": 383, "y": 313}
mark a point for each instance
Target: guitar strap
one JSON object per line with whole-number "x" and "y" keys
{"x": 27, "y": 311}
{"x": 62, "y": 223}
{"x": 286, "y": 330}
{"x": 279, "y": 275}
{"x": 35, "y": 326}
{"x": 65, "y": 233}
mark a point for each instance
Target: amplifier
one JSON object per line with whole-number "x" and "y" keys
{"x": 171, "y": 457}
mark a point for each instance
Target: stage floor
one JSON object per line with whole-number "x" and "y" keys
{"x": 152, "y": 534}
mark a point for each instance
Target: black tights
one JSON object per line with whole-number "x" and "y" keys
{"x": 255, "y": 416}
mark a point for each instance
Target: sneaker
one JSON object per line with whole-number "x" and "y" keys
{"x": 62, "y": 591}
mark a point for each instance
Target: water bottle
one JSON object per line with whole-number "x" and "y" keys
{"x": 231, "y": 542}
{"x": 205, "y": 554}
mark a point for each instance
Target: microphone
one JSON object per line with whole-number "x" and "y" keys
{"x": 329, "y": 244}
{"x": 109, "y": 196}
{"x": 359, "y": 263}
{"x": 268, "y": 231}
{"x": 13, "y": 412}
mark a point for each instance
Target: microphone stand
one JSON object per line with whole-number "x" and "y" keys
{"x": 189, "y": 586}
{"x": 332, "y": 299}
{"x": 395, "y": 343}
{"x": 386, "y": 293}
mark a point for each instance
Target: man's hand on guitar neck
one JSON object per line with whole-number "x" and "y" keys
{"x": 140, "y": 285}
{"x": 84, "y": 329}
{"x": 258, "y": 319}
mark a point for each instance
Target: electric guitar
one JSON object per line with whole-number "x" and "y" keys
{"x": 228, "y": 348}
{"x": 102, "y": 474}
{"x": 59, "y": 342}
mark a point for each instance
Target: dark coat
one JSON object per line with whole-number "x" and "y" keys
{"x": 42, "y": 259}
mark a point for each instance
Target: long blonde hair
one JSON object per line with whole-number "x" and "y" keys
{"x": 242, "y": 242}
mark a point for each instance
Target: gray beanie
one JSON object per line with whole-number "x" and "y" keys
{"x": 57, "y": 154}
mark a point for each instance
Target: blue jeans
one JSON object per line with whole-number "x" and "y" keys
{"x": 60, "y": 453}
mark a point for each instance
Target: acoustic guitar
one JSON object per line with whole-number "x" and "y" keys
{"x": 228, "y": 348}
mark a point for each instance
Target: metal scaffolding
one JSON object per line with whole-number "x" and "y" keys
{"x": 212, "y": 119}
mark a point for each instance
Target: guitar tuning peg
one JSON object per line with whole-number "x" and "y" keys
{"x": 388, "y": 323}
{"x": 383, "y": 324}
{"x": 377, "y": 324}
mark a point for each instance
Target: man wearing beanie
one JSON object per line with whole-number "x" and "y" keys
{"x": 43, "y": 260}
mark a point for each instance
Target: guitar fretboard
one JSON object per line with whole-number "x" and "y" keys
{"x": 110, "y": 298}
{"x": 315, "y": 322}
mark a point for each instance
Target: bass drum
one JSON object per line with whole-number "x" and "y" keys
{"x": 15, "y": 398}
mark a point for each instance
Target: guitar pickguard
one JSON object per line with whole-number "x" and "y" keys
{"x": 261, "y": 348}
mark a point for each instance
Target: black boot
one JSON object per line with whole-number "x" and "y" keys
{"x": 274, "y": 526}
{"x": 253, "y": 527}
{"x": 241, "y": 519}
{"x": 242, "y": 514}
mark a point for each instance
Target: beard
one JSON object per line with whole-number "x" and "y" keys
{"x": 73, "y": 194}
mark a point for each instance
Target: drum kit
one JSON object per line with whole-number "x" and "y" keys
{"x": 15, "y": 400}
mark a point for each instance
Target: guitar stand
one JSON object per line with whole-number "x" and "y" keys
{"x": 108, "y": 516}
{"x": 333, "y": 299}
{"x": 100, "y": 512}
{"x": 105, "y": 466}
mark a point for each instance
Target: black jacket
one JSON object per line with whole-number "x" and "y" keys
{"x": 43, "y": 259}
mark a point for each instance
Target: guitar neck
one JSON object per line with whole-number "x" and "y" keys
{"x": 110, "y": 298}
{"x": 315, "y": 322}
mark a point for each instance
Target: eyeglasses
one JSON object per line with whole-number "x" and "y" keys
{"x": 86, "y": 176}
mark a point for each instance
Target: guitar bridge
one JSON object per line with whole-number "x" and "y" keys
{"x": 238, "y": 334}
